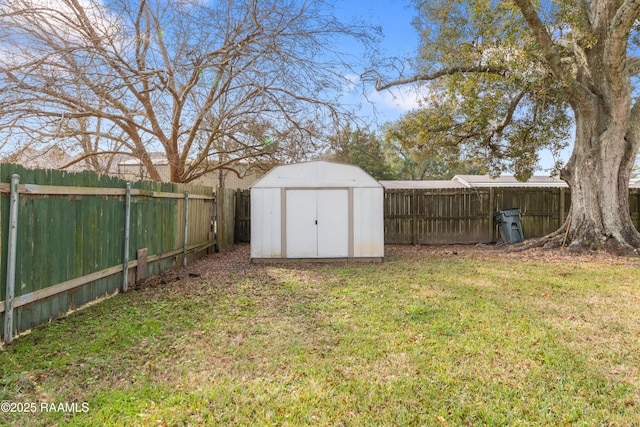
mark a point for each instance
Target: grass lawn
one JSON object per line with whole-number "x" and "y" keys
{"x": 429, "y": 337}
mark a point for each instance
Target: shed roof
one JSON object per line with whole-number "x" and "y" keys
{"x": 316, "y": 174}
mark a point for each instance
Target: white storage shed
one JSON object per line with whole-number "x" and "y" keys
{"x": 317, "y": 210}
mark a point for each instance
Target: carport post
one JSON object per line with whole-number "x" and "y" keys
{"x": 12, "y": 246}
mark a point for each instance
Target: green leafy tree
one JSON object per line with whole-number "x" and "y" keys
{"x": 509, "y": 77}
{"x": 422, "y": 155}
{"x": 362, "y": 148}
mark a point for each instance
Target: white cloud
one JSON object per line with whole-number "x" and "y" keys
{"x": 36, "y": 30}
{"x": 402, "y": 98}
{"x": 351, "y": 84}
{"x": 59, "y": 18}
{"x": 382, "y": 106}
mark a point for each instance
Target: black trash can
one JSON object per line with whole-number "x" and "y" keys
{"x": 509, "y": 225}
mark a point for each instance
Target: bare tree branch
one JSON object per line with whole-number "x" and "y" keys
{"x": 202, "y": 83}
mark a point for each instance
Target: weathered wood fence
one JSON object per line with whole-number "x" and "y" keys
{"x": 453, "y": 216}
{"x": 70, "y": 238}
{"x": 243, "y": 216}
{"x": 458, "y": 215}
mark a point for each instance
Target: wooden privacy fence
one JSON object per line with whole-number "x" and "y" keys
{"x": 243, "y": 216}
{"x": 465, "y": 215}
{"x": 69, "y": 238}
{"x": 454, "y": 215}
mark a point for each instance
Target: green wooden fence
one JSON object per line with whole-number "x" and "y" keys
{"x": 70, "y": 245}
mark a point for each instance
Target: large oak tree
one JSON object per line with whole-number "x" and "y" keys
{"x": 508, "y": 75}
{"x": 207, "y": 84}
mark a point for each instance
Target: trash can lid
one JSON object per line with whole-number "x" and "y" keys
{"x": 509, "y": 212}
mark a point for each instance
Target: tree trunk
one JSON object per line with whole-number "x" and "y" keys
{"x": 598, "y": 174}
{"x": 599, "y": 89}
{"x": 176, "y": 166}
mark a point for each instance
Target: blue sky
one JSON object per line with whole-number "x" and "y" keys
{"x": 394, "y": 16}
{"x": 399, "y": 40}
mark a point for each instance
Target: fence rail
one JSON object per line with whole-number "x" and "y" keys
{"x": 78, "y": 237}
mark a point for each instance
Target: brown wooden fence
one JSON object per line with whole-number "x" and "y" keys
{"x": 72, "y": 238}
{"x": 243, "y": 216}
{"x": 455, "y": 215}
{"x": 458, "y": 216}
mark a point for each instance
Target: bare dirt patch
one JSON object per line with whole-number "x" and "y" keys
{"x": 236, "y": 261}
{"x": 487, "y": 252}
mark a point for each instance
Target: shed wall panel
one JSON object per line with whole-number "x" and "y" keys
{"x": 266, "y": 223}
{"x": 368, "y": 233}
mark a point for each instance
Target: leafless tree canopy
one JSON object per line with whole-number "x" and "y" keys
{"x": 206, "y": 83}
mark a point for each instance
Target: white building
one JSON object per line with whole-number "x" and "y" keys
{"x": 317, "y": 210}
{"x": 246, "y": 174}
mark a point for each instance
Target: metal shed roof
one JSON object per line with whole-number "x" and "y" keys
{"x": 316, "y": 174}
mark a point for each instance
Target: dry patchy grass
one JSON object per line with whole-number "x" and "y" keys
{"x": 433, "y": 336}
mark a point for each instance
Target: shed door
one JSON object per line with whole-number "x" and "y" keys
{"x": 317, "y": 223}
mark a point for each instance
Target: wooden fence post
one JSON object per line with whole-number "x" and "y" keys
{"x": 236, "y": 223}
{"x": 414, "y": 218}
{"x": 562, "y": 207}
{"x": 220, "y": 218}
{"x": 490, "y": 212}
{"x": 213, "y": 232}
{"x": 12, "y": 245}
{"x": 186, "y": 228}
{"x": 127, "y": 230}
